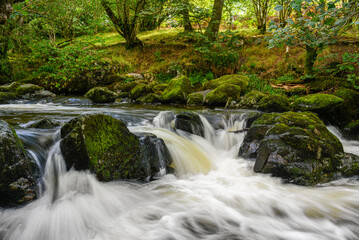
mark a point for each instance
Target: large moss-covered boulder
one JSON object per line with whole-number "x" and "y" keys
{"x": 103, "y": 145}
{"x": 177, "y": 90}
{"x": 319, "y": 102}
{"x": 17, "y": 185}
{"x": 235, "y": 79}
{"x": 274, "y": 103}
{"x": 123, "y": 86}
{"x": 189, "y": 122}
{"x": 195, "y": 99}
{"x": 351, "y": 131}
{"x": 349, "y": 110}
{"x": 220, "y": 95}
{"x": 149, "y": 98}
{"x": 10, "y": 87}
{"x": 159, "y": 88}
{"x": 141, "y": 89}
{"x": 27, "y": 88}
{"x": 294, "y": 146}
{"x": 101, "y": 95}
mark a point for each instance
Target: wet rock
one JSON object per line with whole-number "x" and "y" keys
{"x": 349, "y": 110}
{"x": 220, "y": 95}
{"x": 177, "y": 91}
{"x": 294, "y": 146}
{"x": 18, "y": 185}
{"x": 351, "y": 131}
{"x": 189, "y": 122}
{"x": 27, "y": 88}
{"x": 195, "y": 99}
{"x": 149, "y": 98}
{"x": 44, "y": 123}
{"x": 155, "y": 157}
{"x": 141, "y": 89}
{"x": 6, "y": 97}
{"x": 42, "y": 94}
{"x": 235, "y": 79}
{"x": 10, "y": 87}
{"x": 350, "y": 166}
{"x": 103, "y": 145}
{"x": 274, "y": 103}
{"x": 101, "y": 95}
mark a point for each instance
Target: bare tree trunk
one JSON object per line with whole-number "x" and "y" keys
{"x": 213, "y": 27}
{"x": 186, "y": 21}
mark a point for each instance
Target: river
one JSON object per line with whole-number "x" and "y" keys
{"x": 214, "y": 194}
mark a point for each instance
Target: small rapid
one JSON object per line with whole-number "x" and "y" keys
{"x": 214, "y": 195}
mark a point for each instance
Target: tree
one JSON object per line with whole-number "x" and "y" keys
{"x": 261, "y": 8}
{"x": 125, "y": 15}
{"x": 213, "y": 26}
{"x": 284, "y": 11}
{"x": 316, "y": 25}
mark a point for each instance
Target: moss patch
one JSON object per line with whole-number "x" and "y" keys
{"x": 177, "y": 90}
{"x": 220, "y": 95}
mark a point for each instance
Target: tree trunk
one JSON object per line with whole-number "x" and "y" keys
{"x": 310, "y": 58}
{"x": 213, "y": 27}
{"x": 186, "y": 21}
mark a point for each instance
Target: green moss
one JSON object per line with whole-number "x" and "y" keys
{"x": 159, "y": 87}
{"x": 149, "y": 98}
{"x": 195, "y": 99}
{"x": 251, "y": 100}
{"x": 317, "y": 102}
{"x": 141, "y": 89}
{"x": 27, "y": 88}
{"x": 177, "y": 90}
{"x": 235, "y": 79}
{"x": 220, "y": 95}
{"x": 274, "y": 103}
{"x": 7, "y": 96}
{"x": 101, "y": 95}
{"x": 9, "y": 87}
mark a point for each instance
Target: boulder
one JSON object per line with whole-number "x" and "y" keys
{"x": 235, "y": 79}
{"x": 159, "y": 88}
{"x": 195, "y": 99}
{"x": 274, "y": 103}
{"x": 351, "y": 131}
{"x": 18, "y": 185}
{"x": 10, "y": 87}
{"x": 251, "y": 100}
{"x": 6, "y": 97}
{"x": 104, "y": 145}
{"x": 350, "y": 166}
{"x": 349, "y": 110}
{"x": 42, "y": 94}
{"x": 220, "y": 95}
{"x": 177, "y": 90}
{"x": 319, "y": 102}
{"x": 101, "y": 95}
{"x": 189, "y": 122}
{"x": 123, "y": 86}
{"x": 149, "y": 98}
{"x": 294, "y": 146}
{"x": 141, "y": 89}
{"x": 27, "y": 88}
{"x": 155, "y": 156}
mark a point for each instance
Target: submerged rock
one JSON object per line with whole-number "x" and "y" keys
{"x": 18, "y": 185}
{"x": 235, "y": 79}
{"x": 104, "y": 145}
{"x": 177, "y": 91}
{"x": 220, "y": 95}
{"x": 189, "y": 122}
{"x": 294, "y": 146}
{"x": 101, "y": 95}
{"x": 44, "y": 123}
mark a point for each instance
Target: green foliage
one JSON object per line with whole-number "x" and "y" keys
{"x": 349, "y": 65}
{"x": 58, "y": 65}
{"x": 200, "y": 77}
{"x": 261, "y": 85}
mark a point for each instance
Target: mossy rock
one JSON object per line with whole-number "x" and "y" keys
{"x": 294, "y": 146}
{"x": 195, "y": 99}
{"x": 324, "y": 83}
{"x": 141, "y": 89}
{"x": 235, "y": 79}
{"x": 149, "y": 98}
{"x": 27, "y": 88}
{"x": 18, "y": 185}
{"x": 177, "y": 90}
{"x": 274, "y": 103}
{"x": 101, "y": 95}
{"x": 319, "y": 102}
{"x": 123, "y": 86}
{"x": 351, "y": 131}
{"x": 103, "y": 145}
{"x": 159, "y": 87}
{"x": 10, "y": 87}
{"x": 296, "y": 91}
{"x": 251, "y": 100}
{"x": 220, "y": 95}
{"x": 6, "y": 97}
{"x": 44, "y": 123}
{"x": 349, "y": 110}
{"x": 350, "y": 166}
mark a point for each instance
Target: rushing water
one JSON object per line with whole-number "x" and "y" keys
{"x": 213, "y": 194}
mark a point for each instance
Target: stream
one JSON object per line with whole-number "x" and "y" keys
{"x": 213, "y": 195}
